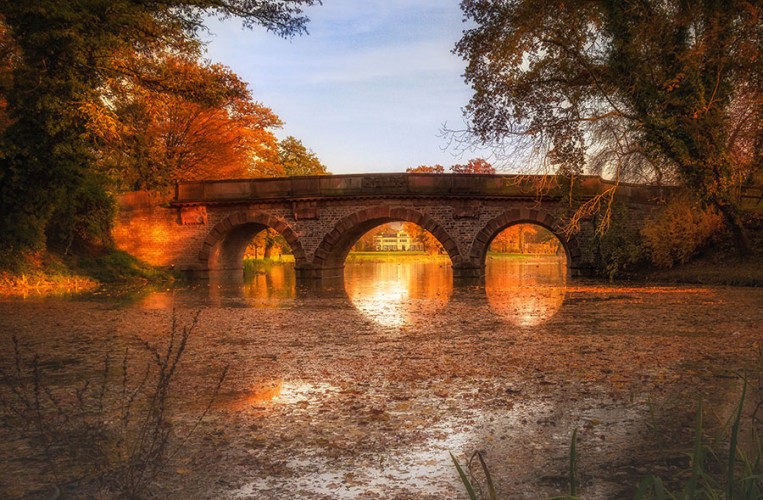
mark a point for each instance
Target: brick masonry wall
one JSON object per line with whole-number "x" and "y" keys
{"x": 152, "y": 230}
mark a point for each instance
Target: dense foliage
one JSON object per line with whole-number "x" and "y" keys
{"x": 296, "y": 159}
{"x": 62, "y": 60}
{"x": 679, "y": 231}
{"x": 182, "y": 119}
{"x": 636, "y": 89}
{"x": 473, "y": 166}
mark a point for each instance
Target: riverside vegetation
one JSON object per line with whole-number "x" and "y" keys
{"x": 735, "y": 472}
{"x": 114, "y": 435}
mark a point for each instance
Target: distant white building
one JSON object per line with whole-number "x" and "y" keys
{"x": 394, "y": 242}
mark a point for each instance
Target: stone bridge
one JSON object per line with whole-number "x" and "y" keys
{"x": 206, "y": 226}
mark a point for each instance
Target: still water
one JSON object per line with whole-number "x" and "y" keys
{"x": 360, "y": 388}
{"x": 524, "y": 291}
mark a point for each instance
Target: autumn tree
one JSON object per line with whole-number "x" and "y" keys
{"x": 426, "y": 169}
{"x": 267, "y": 240}
{"x": 423, "y": 237}
{"x": 639, "y": 89}
{"x": 525, "y": 238}
{"x": 366, "y": 242}
{"x": 296, "y": 159}
{"x": 476, "y": 166}
{"x": 67, "y": 53}
{"x": 182, "y": 119}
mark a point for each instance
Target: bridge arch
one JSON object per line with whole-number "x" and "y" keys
{"x": 332, "y": 251}
{"x": 225, "y": 244}
{"x": 485, "y": 236}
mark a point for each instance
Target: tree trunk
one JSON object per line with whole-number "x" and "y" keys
{"x": 731, "y": 216}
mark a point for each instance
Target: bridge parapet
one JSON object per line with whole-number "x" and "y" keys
{"x": 404, "y": 185}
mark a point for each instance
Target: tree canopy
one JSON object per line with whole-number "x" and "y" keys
{"x": 200, "y": 123}
{"x": 426, "y": 169}
{"x": 474, "y": 166}
{"x": 296, "y": 159}
{"x": 65, "y": 56}
{"x": 635, "y": 89}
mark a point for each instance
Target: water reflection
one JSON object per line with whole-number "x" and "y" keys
{"x": 398, "y": 294}
{"x": 273, "y": 287}
{"x": 527, "y": 292}
{"x": 278, "y": 283}
{"x": 278, "y": 391}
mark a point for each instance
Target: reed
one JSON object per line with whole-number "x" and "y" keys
{"x": 742, "y": 478}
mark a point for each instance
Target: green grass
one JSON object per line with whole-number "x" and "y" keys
{"x": 516, "y": 256}
{"x": 118, "y": 266}
{"x": 50, "y": 274}
{"x": 381, "y": 257}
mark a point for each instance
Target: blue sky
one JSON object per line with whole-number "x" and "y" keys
{"x": 368, "y": 89}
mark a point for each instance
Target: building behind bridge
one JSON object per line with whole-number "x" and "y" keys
{"x": 399, "y": 241}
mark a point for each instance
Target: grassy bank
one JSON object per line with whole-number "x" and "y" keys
{"x": 50, "y": 274}
{"x": 520, "y": 256}
{"x": 382, "y": 257}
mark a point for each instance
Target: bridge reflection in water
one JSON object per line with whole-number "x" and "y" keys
{"x": 523, "y": 291}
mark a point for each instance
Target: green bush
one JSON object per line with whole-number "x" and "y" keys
{"x": 83, "y": 220}
{"x": 618, "y": 250}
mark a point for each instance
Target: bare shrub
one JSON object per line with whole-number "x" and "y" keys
{"x": 115, "y": 433}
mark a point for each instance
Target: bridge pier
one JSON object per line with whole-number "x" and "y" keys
{"x": 310, "y": 272}
{"x": 468, "y": 271}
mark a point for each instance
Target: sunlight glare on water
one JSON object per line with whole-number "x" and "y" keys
{"x": 526, "y": 292}
{"x": 395, "y": 294}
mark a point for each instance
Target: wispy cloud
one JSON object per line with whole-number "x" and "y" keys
{"x": 370, "y": 85}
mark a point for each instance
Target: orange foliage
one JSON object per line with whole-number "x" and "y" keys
{"x": 476, "y": 166}
{"x": 179, "y": 119}
{"x": 366, "y": 242}
{"x": 425, "y": 169}
{"x": 422, "y": 236}
{"x": 679, "y": 232}
{"x": 525, "y": 238}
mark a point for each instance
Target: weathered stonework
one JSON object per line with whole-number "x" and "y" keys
{"x": 207, "y": 225}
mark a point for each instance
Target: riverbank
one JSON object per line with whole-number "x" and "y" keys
{"x": 54, "y": 275}
{"x": 711, "y": 270}
{"x": 384, "y": 257}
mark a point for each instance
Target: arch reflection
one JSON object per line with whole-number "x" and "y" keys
{"x": 526, "y": 292}
{"x": 398, "y": 294}
{"x": 273, "y": 287}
